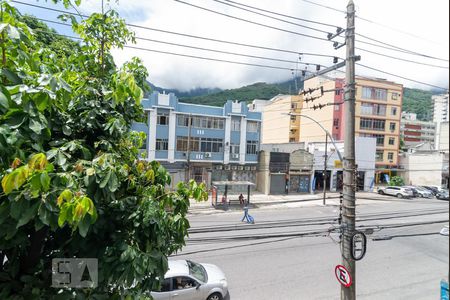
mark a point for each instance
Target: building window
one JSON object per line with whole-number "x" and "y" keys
{"x": 183, "y": 120}
{"x": 211, "y": 145}
{"x": 391, "y": 141}
{"x": 380, "y": 139}
{"x": 374, "y": 93}
{"x": 392, "y": 126}
{"x": 182, "y": 143}
{"x": 390, "y": 156}
{"x": 338, "y": 92}
{"x": 336, "y": 122}
{"x": 162, "y": 144}
{"x": 395, "y": 96}
{"x": 144, "y": 144}
{"x": 372, "y": 124}
{"x": 293, "y": 118}
{"x": 337, "y": 106}
{"x": 202, "y": 122}
{"x": 162, "y": 119}
{"x": 291, "y": 140}
{"x": 252, "y": 147}
{"x": 293, "y": 105}
{"x": 235, "y": 125}
{"x": 252, "y": 126}
{"x": 379, "y": 156}
{"x": 394, "y": 111}
{"x": 373, "y": 109}
{"x": 234, "y": 149}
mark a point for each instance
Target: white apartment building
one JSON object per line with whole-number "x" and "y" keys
{"x": 441, "y": 108}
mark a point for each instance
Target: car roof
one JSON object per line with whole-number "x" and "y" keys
{"x": 177, "y": 268}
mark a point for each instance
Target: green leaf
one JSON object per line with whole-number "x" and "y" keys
{"x": 28, "y": 214}
{"x": 13, "y": 33}
{"x": 45, "y": 181}
{"x": 15, "y": 179}
{"x": 63, "y": 214}
{"x": 113, "y": 183}
{"x": 105, "y": 179}
{"x": 18, "y": 208}
{"x": 83, "y": 225}
{"x": 36, "y": 126}
{"x": 42, "y": 101}
{"x": 61, "y": 158}
{"x": 4, "y": 100}
{"x": 11, "y": 76}
{"x": 44, "y": 215}
{"x": 67, "y": 130}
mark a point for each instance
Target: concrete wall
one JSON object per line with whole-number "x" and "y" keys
{"x": 422, "y": 168}
{"x": 276, "y": 123}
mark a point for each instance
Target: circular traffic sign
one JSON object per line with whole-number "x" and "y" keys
{"x": 343, "y": 275}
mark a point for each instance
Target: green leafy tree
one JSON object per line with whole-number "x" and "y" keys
{"x": 396, "y": 181}
{"x": 71, "y": 181}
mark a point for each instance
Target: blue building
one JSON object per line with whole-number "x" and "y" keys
{"x": 201, "y": 142}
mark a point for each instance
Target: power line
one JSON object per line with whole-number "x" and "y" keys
{"x": 370, "y": 21}
{"x": 252, "y": 22}
{"x": 284, "y": 15}
{"x": 324, "y": 6}
{"x": 399, "y": 76}
{"x": 392, "y": 47}
{"x": 202, "y": 48}
{"x": 188, "y": 35}
{"x": 274, "y": 18}
{"x": 402, "y": 59}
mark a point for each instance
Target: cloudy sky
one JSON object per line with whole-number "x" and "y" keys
{"x": 417, "y": 26}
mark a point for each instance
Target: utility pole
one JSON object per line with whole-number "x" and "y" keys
{"x": 325, "y": 171}
{"x": 348, "y": 205}
{"x": 189, "y": 148}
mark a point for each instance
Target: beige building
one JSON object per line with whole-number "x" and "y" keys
{"x": 377, "y": 112}
{"x": 278, "y": 126}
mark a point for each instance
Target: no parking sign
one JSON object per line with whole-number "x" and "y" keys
{"x": 343, "y": 275}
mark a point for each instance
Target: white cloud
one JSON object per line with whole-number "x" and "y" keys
{"x": 430, "y": 21}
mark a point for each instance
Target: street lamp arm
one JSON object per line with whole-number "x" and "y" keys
{"x": 326, "y": 131}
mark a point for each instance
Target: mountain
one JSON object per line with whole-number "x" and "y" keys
{"x": 414, "y": 100}
{"x": 259, "y": 90}
{"x": 418, "y": 102}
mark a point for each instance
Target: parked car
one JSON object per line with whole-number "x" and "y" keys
{"x": 433, "y": 188}
{"x": 442, "y": 195}
{"x": 187, "y": 280}
{"x": 420, "y": 191}
{"x": 398, "y": 191}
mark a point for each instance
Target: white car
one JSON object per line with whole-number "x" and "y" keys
{"x": 187, "y": 280}
{"x": 397, "y": 191}
{"x": 420, "y": 191}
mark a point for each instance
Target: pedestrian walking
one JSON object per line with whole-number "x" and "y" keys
{"x": 247, "y": 217}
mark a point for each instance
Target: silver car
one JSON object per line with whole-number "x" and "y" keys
{"x": 187, "y": 280}
{"x": 399, "y": 192}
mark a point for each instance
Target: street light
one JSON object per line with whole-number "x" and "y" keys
{"x": 328, "y": 135}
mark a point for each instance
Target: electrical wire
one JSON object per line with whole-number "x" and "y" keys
{"x": 253, "y": 22}
{"x": 274, "y": 18}
{"x": 284, "y": 15}
{"x": 187, "y": 35}
{"x": 324, "y": 6}
{"x": 402, "y": 77}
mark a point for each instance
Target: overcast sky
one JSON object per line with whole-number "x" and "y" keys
{"x": 419, "y": 26}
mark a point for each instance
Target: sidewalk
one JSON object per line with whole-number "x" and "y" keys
{"x": 258, "y": 199}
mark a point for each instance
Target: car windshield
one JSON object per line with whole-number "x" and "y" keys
{"x": 197, "y": 271}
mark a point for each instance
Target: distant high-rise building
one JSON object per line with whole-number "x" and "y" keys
{"x": 441, "y": 108}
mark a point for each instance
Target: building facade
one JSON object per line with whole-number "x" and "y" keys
{"x": 416, "y": 132}
{"x": 377, "y": 115}
{"x": 200, "y": 142}
{"x": 278, "y": 126}
{"x": 440, "y": 108}
{"x": 422, "y": 167}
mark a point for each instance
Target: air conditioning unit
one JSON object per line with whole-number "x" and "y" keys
{"x": 227, "y": 167}
{"x": 233, "y": 167}
{"x": 234, "y": 155}
{"x": 241, "y": 168}
{"x": 253, "y": 168}
{"x": 247, "y": 168}
{"x": 391, "y": 161}
{"x": 207, "y": 154}
{"x": 219, "y": 167}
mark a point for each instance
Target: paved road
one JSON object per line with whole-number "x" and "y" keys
{"x": 288, "y": 255}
